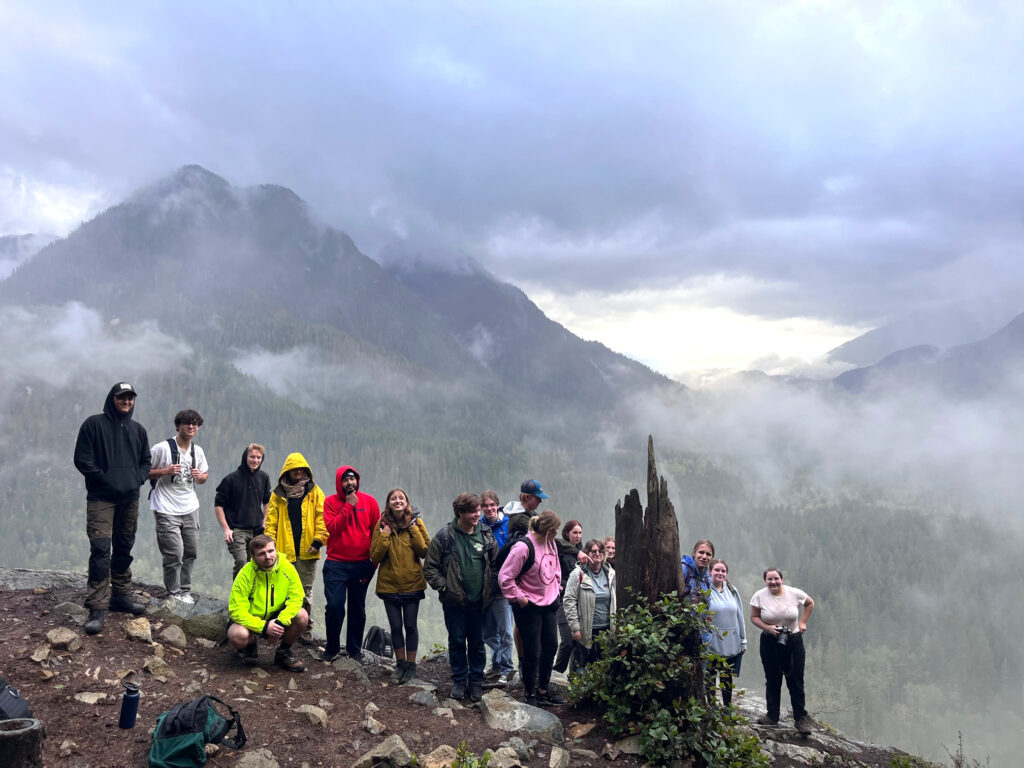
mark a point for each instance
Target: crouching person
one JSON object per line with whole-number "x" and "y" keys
{"x": 266, "y": 601}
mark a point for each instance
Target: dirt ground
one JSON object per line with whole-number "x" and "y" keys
{"x": 81, "y": 734}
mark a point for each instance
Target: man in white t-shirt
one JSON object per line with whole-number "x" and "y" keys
{"x": 175, "y": 471}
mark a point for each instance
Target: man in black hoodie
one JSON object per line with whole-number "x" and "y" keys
{"x": 241, "y": 504}
{"x": 112, "y": 452}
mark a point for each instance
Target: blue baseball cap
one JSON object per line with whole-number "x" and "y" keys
{"x": 532, "y": 487}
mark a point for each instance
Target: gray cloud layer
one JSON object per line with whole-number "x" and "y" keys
{"x": 858, "y": 158}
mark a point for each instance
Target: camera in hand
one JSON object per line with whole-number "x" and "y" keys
{"x": 783, "y": 637}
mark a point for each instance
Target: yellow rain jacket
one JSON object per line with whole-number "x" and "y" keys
{"x": 279, "y": 525}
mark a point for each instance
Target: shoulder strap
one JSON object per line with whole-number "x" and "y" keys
{"x": 175, "y": 455}
{"x": 531, "y": 555}
{"x": 236, "y": 721}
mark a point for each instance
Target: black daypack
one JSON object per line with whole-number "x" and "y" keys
{"x": 175, "y": 458}
{"x": 182, "y": 733}
{"x": 502, "y": 556}
{"x": 12, "y": 706}
{"x": 378, "y": 641}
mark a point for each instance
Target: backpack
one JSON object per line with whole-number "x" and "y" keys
{"x": 502, "y": 556}
{"x": 183, "y": 731}
{"x": 12, "y": 706}
{"x": 175, "y": 458}
{"x": 378, "y": 641}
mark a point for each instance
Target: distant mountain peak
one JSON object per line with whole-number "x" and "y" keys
{"x": 188, "y": 187}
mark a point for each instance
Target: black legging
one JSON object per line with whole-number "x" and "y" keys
{"x": 536, "y": 624}
{"x": 403, "y": 614}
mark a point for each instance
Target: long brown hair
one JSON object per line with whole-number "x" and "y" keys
{"x": 544, "y": 523}
{"x": 389, "y": 514}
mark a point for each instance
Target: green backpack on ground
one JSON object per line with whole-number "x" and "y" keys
{"x": 183, "y": 731}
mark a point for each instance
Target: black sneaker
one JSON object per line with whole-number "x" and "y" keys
{"x": 532, "y": 701}
{"x": 94, "y": 624}
{"x": 492, "y": 673}
{"x": 250, "y": 655}
{"x": 476, "y": 692}
{"x": 329, "y": 656}
{"x": 458, "y": 691}
{"x": 124, "y": 604}
{"x": 804, "y": 725}
{"x": 766, "y": 720}
{"x": 550, "y": 699}
{"x": 285, "y": 660}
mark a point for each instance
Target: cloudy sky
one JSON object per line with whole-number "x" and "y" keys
{"x": 752, "y": 182}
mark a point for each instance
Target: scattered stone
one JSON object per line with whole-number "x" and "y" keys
{"x": 522, "y": 749}
{"x": 158, "y": 650}
{"x": 40, "y": 654}
{"x": 505, "y": 757}
{"x": 629, "y": 745}
{"x": 202, "y": 642}
{"x": 40, "y": 591}
{"x": 192, "y": 688}
{"x": 452, "y": 704}
{"x": 292, "y": 685}
{"x": 442, "y": 757}
{"x": 610, "y": 751}
{"x": 374, "y": 726}
{"x": 90, "y": 697}
{"x": 391, "y": 751}
{"x": 445, "y": 712}
{"x": 260, "y": 673}
{"x": 579, "y": 730}
{"x": 424, "y": 698}
{"x": 325, "y": 704}
{"x": 175, "y": 635}
{"x": 139, "y": 630}
{"x": 67, "y": 748}
{"x": 157, "y": 667}
{"x": 806, "y": 755}
{"x": 316, "y": 715}
{"x": 424, "y": 685}
{"x": 354, "y": 669}
{"x": 559, "y": 758}
{"x": 506, "y": 714}
{"x": 256, "y": 758}
{"x": 64, "y": 639}
{"x": 77, "y": 613}
{"x": 45, "y": 674}
{"x": 584, "y": 754}
{"x": 212, "y": 749}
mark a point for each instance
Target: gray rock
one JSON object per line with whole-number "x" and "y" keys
{"x": 507, "y": 714}
{"x": 174, "y": 635}
{"x": 423, "y": 685}
{"x": 584, "y": 754}
{"x": 391, "y": 752}
{"x": 442, "y": 757}
{"x": 316, "y": 715}
{"x": 424, "y": 699}
{"x": 77, "y": 613}
{"x": 374, "y": 726}
{"x": 208, "y": 618}
{"x": 807, "y": 755}
{"x": 629, "y": 745}
{"x": 444, "y": 712}
{"x": 157, "y": 667}
{"x": 353, "y": 669}
{"x": 256, "y": 758}
{"x": 63, "y": 638}
{"x": 523, "y": 749}
{"x": 559, "y": 758}
{"x": 24, "y": 578}
{"x": 505, "y": 757}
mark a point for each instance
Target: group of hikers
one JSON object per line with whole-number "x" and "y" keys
{"x": 508, "y": 577}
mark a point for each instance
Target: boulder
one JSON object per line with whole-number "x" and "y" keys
{"x": 316, "y": 715}
{"x": 506, "y": 714}
{"x": 208, "y": 618}
{"x": 391, "y": 752}
{"x": 64, "y": 639}
{"x": 139, "y": 630}
{"x": 174, "y": 635}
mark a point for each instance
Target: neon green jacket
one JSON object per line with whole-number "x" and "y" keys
{"x": 256, "y": 595}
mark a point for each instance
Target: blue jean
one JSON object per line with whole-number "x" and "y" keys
{"x": 343, "y": 580}
{"x": 466, "y": 653}
{"x": 498, "y": 634}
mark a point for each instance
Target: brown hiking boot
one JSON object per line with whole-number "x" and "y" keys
{"x": 286, "y": 660}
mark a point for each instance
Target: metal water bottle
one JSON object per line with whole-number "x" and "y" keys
{"x": 129, "y": 705}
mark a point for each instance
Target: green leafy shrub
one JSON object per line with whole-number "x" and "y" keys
{"x": 648, "y": 681}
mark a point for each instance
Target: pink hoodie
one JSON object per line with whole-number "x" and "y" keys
{"x": 540, "y": 584}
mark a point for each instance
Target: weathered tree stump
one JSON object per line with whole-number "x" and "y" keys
{"x": 21, "y": 742}
{"x": 647, "y": 541}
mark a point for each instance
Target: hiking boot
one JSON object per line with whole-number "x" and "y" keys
{"x": 476, "y": 692}
{"x": 399, "y": 673}
{"x": 410, "y": 672}
{"x": 286, "y": 660}
{"x": 94, "y": 624}
{"x": 458, "y": 691}
{"x": 550, "y": 699}
{"x": 124, "y": 604}
{"x": 766, "y": 720}
{"x": 250, "y": 655}
{"x": 804, "y": 725}
{"x": 492, "y": 673}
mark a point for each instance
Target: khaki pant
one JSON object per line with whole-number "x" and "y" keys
{"x": 239, "y": 547}
{"x": 307, "y": 574}
{"x": 110, "y": 527}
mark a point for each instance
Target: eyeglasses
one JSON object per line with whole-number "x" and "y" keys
{"x": 124, "y": 397}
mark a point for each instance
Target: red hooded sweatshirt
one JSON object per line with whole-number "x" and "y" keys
{"x": 349, "y": 528}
